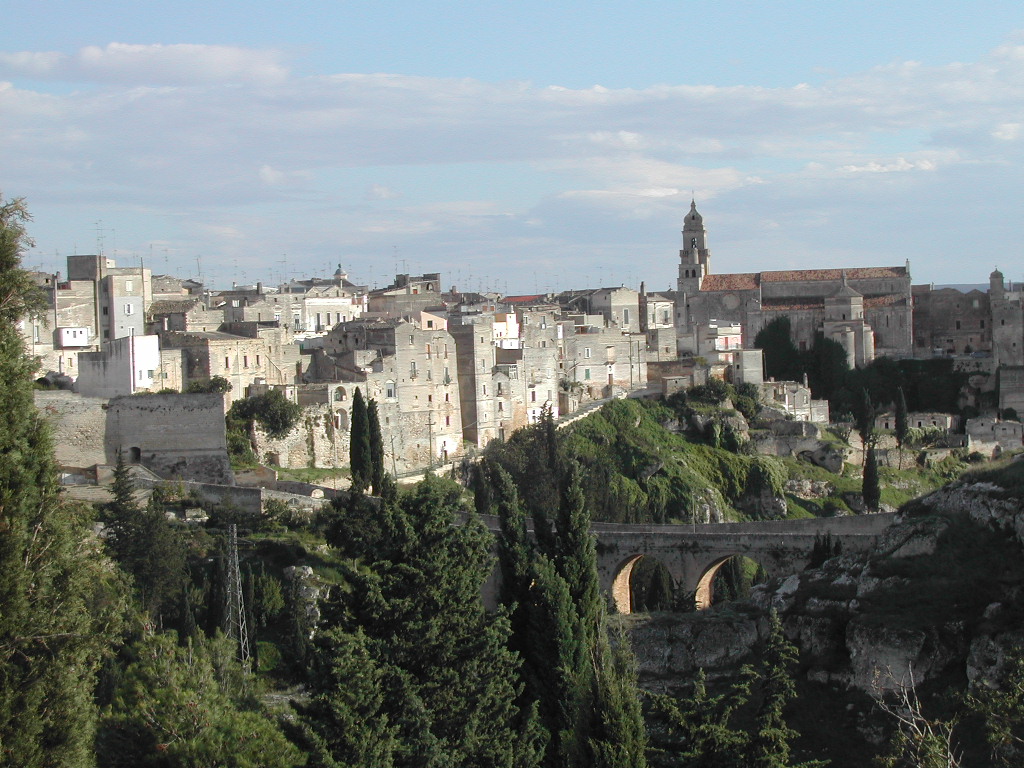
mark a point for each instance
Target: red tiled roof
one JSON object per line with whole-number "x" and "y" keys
{"x": 854, "y": 273}
{"x": 744, "y": 281}
{"x": 891, "y": 300}
{"x": 538, "y": 298}
{"x": 780, "y": 305}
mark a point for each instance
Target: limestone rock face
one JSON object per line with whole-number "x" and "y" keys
{"x": 763, "y": 505}
{"x": 826, "y": 455}
{"x": 671, "y": 648}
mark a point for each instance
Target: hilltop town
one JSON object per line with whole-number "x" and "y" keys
{"x": 451, "y": 371}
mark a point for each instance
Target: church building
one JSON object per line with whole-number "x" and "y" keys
{"x": 866, "y": 309}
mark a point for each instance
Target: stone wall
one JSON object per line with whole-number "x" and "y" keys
{"x": 79, "y": 426}
{"x": 177, "y": 436}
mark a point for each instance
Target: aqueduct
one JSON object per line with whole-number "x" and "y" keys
{"x": 692, "y": 554}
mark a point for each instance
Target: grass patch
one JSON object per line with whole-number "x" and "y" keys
{"x": 311, "y": 475}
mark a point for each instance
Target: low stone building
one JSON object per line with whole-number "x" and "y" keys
{"x": 992, "y": 436}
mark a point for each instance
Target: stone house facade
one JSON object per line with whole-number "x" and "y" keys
{"x": 409, "y": 367}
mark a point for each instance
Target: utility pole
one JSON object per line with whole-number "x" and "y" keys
{"x": 235, "y": 613}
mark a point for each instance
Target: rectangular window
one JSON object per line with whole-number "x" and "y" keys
{"x": 128, "y": 286}
{"x": 625, "y": 317}
{"x": 586, "y": 352}
{"x": 501, "y": 406}
{"x": 257, "y": 361}
{"x": 447, "y": 421}
{"x": 245, "y": 361}
{"x": 586, "y": 374}
{"x": 412, "y": 369}
{"x": 533, "y": 396}
{"x": 485, "y": 389}
{"x": 227, "y": 362}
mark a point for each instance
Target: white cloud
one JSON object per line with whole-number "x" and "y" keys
{"x": 899, "y": 164}
{"x": 381, "y": 192}
{"x": 122, "y": 63}
{"x": 224, "y": 135}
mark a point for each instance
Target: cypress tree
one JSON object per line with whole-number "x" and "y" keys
{"x": 576, "y": 558}
{"x": 360, "y": 456}
{"x": 377, "y": 470}
{"x": 870, "y": 486}
{"x": 902, "y": 422}
{"x": 781, "y": 357}
{"x": 769, "y": 743}
{"x": 61, "y": 601}
{"x": 866, "y": 419}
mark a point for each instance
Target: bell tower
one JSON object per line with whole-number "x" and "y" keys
{"x": 694, "y": 257}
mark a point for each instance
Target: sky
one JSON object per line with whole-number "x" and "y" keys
{"x": 519, "y": 146}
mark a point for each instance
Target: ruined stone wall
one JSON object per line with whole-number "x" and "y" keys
{"x": 319, "y": 439}
{"x": 79, "y": 426}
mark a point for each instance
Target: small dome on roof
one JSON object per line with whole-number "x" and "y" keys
{"x": 845, "y": 291}
{"x": 693, "y": 215}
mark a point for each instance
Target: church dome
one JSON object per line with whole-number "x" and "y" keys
{"x": 693, "y": 217}
{"x": 996, "y": 275}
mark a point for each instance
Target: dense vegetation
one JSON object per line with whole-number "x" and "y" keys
{"x": 370, "y": 645}
{"x": 930, "y": 385}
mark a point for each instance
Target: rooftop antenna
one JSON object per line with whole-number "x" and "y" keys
{"x": 99, "y": 237}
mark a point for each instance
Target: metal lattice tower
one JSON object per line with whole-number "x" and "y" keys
{"x": 234, "y": 619}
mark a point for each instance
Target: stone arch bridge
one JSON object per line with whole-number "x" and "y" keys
{"x": 692, "y": 554}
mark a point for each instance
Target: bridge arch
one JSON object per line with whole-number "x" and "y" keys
{"x": 622, "y": 585}
{"x": 703, "y": 595}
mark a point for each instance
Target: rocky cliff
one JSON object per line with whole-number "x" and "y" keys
{"x": 939, "y": 601}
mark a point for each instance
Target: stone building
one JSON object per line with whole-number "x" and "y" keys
{"x": 409, "y": 293}
{"x": 1007, "y": 304}
{"x": 657, "y": 321}
{"x": 242, "y": 353}
{"x": 409, "y": 367}
{"x": 98, "y": 302}
{"x": 950, "y": 322}
{"x": 123, "y": 367}
{"x": 305, "y": 306}
{"x": 868, "y": 309}
{"x": 190, "y": 314}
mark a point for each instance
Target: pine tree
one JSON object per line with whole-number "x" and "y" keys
{"x": 447, "y": 677}
{"x": 377, "y": 470}
{"x": 62, "y": 602}
{"x": 175, "y": 709}
{"x": 145, "y": 545}
{"x": 360, "y": 456}
{"x": 870, "y": 488}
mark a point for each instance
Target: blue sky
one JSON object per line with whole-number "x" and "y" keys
{"x": 516, "y": 146}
